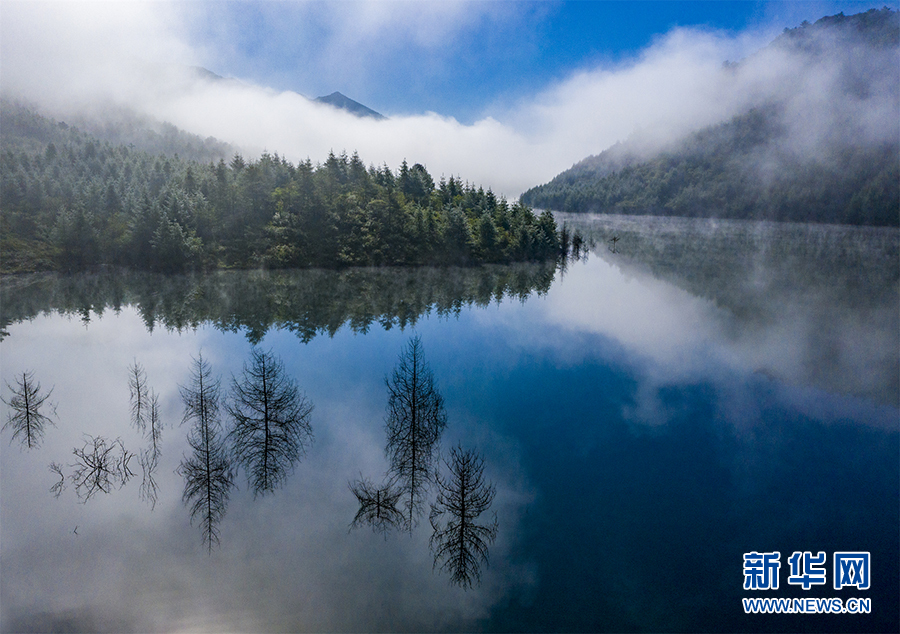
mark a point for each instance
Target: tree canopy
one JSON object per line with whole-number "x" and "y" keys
{"x": 71, "y": 201}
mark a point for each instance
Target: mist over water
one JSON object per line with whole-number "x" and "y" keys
{"x": 688, "y": 392}
{"x": 644, "y": 424}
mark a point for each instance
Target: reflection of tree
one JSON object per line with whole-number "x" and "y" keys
{"x": 137, "y": 384}
{"x": 459, "y": 543}
{"x": 154, "y": 425}
{"x": 149, "y": 460}
{"x": 414, "y": 422}
{"x": 307, "y": 302}
{"x": 271, "y": 422}
{"x": 207, "y": 473}
{"x": 99, "y": 466}
{"x": 377, "y": 506}
{"x": 145, "y": 417}
{"x": 60, "y": 485}
{"x": 25, "y": 419}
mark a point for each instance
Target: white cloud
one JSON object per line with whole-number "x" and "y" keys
{"x": 59, "y": 51}
{"x": 73, "y": 53}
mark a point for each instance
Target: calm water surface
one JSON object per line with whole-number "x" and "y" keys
{"x": 647, "y": 415}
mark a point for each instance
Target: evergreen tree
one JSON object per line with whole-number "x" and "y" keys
{"x": 207, "y": 473}
{"x": 27, "y": 421}
{"x": 414, "y": 423}
{"x": 271, "y": 429}
{"x": 459, "y": 542}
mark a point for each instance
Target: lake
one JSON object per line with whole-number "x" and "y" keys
{"x": 689, "y": 392}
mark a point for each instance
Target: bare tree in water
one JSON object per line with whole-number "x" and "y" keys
{"x": 459, "y": 543}
{"x": 377, "y": 506}
{"x": 60, "y": 485}
{"x": 25, "y": 418}
{"x": 414, "y": 422}
{"x": 99, "y": 466}
{"x": 271, "y": 429}
{"x": 149, "y": 489}
{"x": 154, "y": 424}
{"x": 140, "y": 395}
{"x": 207, "y": 473}
{"x": 149, "y": 457}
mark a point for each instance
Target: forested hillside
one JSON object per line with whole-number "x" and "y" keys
{"x": 70, "y": 201}
{"x": 776, "y": 161}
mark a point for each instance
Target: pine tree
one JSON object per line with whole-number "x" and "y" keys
{"x": 26, "y": 420}
{"x": 459, "y": 543}
{"x": 414, "y": 422}
{"x": 271, "y": 429}
{"x": 207, "y": 473}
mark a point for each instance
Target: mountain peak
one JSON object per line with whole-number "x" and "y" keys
{"x": 343, "y": 102}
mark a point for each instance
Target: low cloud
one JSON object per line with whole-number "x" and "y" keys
{"x": 80, "y": 55}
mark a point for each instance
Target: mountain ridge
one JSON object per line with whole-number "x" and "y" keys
{"x": 757, "y": 165}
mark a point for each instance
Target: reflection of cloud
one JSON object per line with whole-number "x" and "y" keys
{"x": 82, "y": 54}
{"x": 287, "y": 562}
{"x": 793, "y": 344}
{"x": 648, "y": 316}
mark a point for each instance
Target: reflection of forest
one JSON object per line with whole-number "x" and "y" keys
{"x": 307, "y": 302}
{"x": 840, "y": 285}
{"x": 744, "y": 266}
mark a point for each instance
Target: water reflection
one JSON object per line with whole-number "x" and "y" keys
{"x": 26, "y": 422}
{"x": 635, "y": 451}
{"x": 414, "y": 424}
{"x": 208, "y": 474}
{"x": 305, "y": 302}
{"x": 100, "y": 465}
{"x": 459, "y": 542}
{"x": 813, "y": 305}
{"x": 377, "y": 506}
{"x": 270, "y": 429}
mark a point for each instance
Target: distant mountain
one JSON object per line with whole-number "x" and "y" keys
{"x": 205, "y": 73}
{"x": 343, "y": 102}
{"x": 23, "y": 128}
{"x": 795, "y": 156}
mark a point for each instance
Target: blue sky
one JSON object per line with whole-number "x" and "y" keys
{"x": 459, "y": 59}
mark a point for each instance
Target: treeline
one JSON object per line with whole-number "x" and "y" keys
{"x": 76, "y": 202}
{"x": 722, "y": 172}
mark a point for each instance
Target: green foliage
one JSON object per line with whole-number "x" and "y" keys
{"x": 726, "y": 172}
{"x": 70, "y": 201}
{"x": 756, "y": 166}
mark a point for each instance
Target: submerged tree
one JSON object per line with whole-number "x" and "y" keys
{"x": 271, "y": 429}
{"x": 99, "y": 466}
{"x": 377, "y": 506}
{"x": 137, "y": 384}
{"x": 149, "y": 460}
{"x": 207, "y": 473}
{"x": 60, "y": 485}
{"x": 154, "y": 425}
{"x": 414, "y": 422}
{"x": 26, "y": 419}
{"x": 459, "y": 543}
